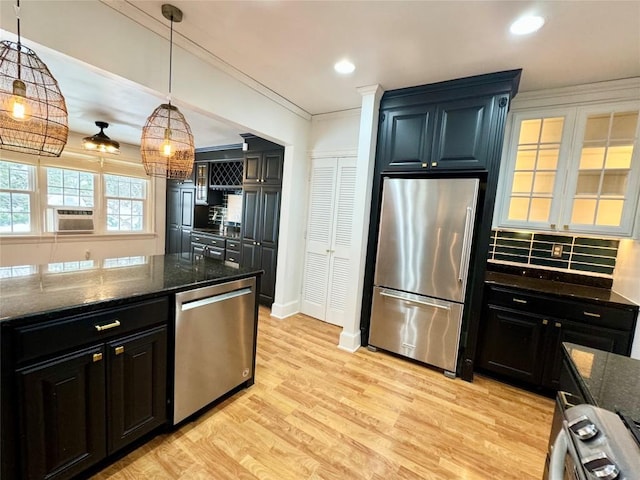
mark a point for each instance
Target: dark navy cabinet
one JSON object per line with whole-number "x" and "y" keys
{"x": 452, "y": 128}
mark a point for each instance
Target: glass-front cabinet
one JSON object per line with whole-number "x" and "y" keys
{"x": 572, "y": 169}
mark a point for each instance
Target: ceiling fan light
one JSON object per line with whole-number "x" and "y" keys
{"x": 101, "y": 142}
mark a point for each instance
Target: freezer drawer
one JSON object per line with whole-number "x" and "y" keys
{"x": 418, "y": 327}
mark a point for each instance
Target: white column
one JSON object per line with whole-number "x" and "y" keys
{"x": 371, "y": 95}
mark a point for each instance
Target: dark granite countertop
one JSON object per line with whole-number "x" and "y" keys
{"x": 48, "y": 291}
{"x": 608, "y": 380}
{"x": 231, "y": 234}
{"x": 557, "y": 288}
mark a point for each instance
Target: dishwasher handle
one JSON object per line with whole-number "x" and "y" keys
{"x": 201, "y": 302}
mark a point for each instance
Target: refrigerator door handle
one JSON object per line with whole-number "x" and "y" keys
{"x": 385, "y": 293}
{"x": 464, "y": 257}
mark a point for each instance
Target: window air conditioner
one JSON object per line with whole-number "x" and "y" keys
{"x": 73, "y": 220}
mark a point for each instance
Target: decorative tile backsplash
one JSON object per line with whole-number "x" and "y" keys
{"x": 582, "y": 254}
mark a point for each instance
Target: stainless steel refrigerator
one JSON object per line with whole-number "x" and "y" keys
{"x": 424, "y": 244}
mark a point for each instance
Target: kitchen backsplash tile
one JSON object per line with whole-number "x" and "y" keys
{"x": 580, "y": 254}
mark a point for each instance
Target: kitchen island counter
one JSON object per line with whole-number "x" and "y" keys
{"x": 45, "y": 292}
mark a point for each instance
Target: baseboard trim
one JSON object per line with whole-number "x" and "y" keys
{"x": 285, "y": 310}
{"x": 349, "y": 342}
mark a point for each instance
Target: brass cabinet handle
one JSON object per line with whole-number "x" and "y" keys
{"x": 519, "y": 300}
{"x": 589, "y": 314}
{"x": 553, "y": 226}
{"x": 97, "y": 357}
{"x": 566, "y": 227}
{"x": 545, "y": 321}
{"x": 115, "y": 323}
{"x": 558, "y": 325}
{"x": 119, "y": 350}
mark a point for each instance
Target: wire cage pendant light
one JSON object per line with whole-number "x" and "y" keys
{"x": 166, "y": 145}
{"x": 33, "y": 112}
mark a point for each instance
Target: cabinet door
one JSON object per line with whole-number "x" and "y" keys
{"x": 269, "y": 216}
{"x": 137, "y": 386}
{"x": 513, "y": 344}
{"x": 252, "y": 168}
{"x": 462, "y": 133}
{"x": 250, "y": 214}
{"x": 268, "y": 262}
{"x": 605, "y": 339}
{"x": 272, "y": 167}
{"x": 406, "y": 142}
{"x": 62, "y": 413}
{"x": 602, "y": 189}
{"x": 251, "y": 255}
{"x": 202, "y": 183}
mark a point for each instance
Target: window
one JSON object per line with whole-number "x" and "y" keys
{"x": 16, "y": 197}
{"x": 125, "y": 203}
{"x": 117, "y": 192}
{"x": 69, "y": 188}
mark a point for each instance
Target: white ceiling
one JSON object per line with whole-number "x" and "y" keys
{"x": 290, "y": 46}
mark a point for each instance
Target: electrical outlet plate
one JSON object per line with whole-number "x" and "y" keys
{"x": 556, "y": 250}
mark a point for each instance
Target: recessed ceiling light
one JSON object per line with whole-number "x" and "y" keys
{"x": 526, "y": 24}
{"x": 344, "y": 67}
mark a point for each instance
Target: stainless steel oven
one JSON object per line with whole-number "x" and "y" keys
{"x": 593, "y": 443}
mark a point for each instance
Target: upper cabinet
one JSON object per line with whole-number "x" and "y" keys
{"x": 263, "y": 167}
{"x": 446, "y": 135}
{"x": 573, "y": 168}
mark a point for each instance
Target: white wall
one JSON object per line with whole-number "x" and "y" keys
{"x": 626, "y": 280}
{"x": 335, "y": 134}
{"x": 131, "y": 51}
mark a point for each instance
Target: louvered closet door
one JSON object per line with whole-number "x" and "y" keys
{"x": 328, "y": 259}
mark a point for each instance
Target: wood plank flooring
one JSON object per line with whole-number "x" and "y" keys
{"x": 316, "y": 412}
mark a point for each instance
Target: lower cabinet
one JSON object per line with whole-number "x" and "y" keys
{"x": 78, "y": 407}
{"x": 520, "y": 341}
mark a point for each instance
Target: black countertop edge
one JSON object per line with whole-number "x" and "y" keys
{"x": 215, "y": 232}
{"x": 560, "y": 289}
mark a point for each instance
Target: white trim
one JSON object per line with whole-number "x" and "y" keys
{"x": 349, "y": 342}
{"x": 70, "y": 238}
{"x": 610, "y": 91}
{"x": 282, "y": 311}
{"x": 133, "y": 13}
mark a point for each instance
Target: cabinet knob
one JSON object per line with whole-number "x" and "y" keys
{"x": 258, "y": 243}
{"x": 566, "y": 227}
{"x": 97, "y": 357}
{"x": 558, "y": 325}
{"x": 424, "y": 165}
{"x": 545, "y": 322}
{"x": 434, "y": 164}
{"x": 553, "y": 226}
{"x": 119, "y": 350}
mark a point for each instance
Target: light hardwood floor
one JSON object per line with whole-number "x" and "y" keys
{"x": 316, "y": 412}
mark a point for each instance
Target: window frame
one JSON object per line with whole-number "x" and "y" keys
{"x": 34, "y": 224}
{"x": 42, "y": 212}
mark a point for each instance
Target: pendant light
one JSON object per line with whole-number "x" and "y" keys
{"x": 100, "y": 142}
{"x": 33, "y": 113}
{"x": 167, "y": 143}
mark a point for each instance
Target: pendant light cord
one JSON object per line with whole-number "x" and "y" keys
{"x": 170, "y": 57}
{"x": 17, "y": 9}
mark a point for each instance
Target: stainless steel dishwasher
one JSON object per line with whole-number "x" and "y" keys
{"x": 214, "y": 343}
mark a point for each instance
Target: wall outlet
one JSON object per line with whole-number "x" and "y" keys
{"x": 556, "y": 250}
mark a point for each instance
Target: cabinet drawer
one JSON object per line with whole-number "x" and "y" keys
{"x": 44, "y": 339}
{"x": 233, "y": 245}
{"x": 217, "y": 242}
{"x": 232, "y": 256}
{"x": 618, "y": 318}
